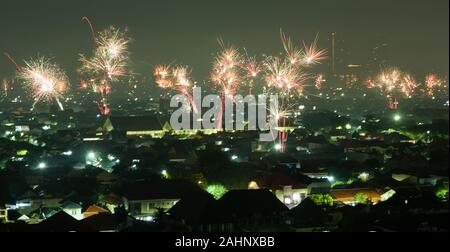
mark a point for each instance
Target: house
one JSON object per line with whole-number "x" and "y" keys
{"x": 179, "y": 154}
{"x": 93, "y": 210}
{"x": 347, "y": 196}
{"x": 107, "y": 180}
{"x": 134, "y": 126}
{"x": 313, "y": 143}
{"x": 191, "y": 209}
{"x": 307, "y": 217}
{"x": 105, "y": 222}
{"x": 11, "y": 216}
{"x": 396, "y": 137}
{"x": 3, "y": 215}
{"x": 403, "y": 177}
{"x": 399, "y": 162}
{"x": 60, "y": 222}
{"x": 111, "y": 202}
{"x": 319, "y": 187}
{"x": 37, "y": 215}
{"x": 73, "y": 209}
{"x": 30, "y": 202}
{"x": 281, "y": 159}
{"x": 315, "y": 172}
{"x": 366, "y": 146}
{"x": 337, "y": 135}
{"x": 288, "y": 190}
{"x": 413, "y": 200}
{"x": 418, "y": 176}
{"x": 250, "y": 210}
{"x": 16, "y": 216}
{"x": 144, "y": 199}
{"x": 261, "y": 147}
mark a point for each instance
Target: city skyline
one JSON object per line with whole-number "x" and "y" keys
{"x": 407, "y": 27}
{"x": 238, "y": 117}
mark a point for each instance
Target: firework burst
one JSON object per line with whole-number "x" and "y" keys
{"x": 110, "y": 58}
{"x": 408, "y": 85}
{"x": 312, "y": 54}
{"x": 282, "y": 77}
{"x": 228, "y": 73}
{"x": 109, "y": 62}
{"x": 393, "y": 82}
{"x": 293, "y": 54}
{"x": 433, "y": 83}
{"x": 163, "y": 76}
{"x": 320, "y": 79}
{"x": 45, "y": 80}
{"x": 252, "y": 69}
{"x": 306, "y": 56}
{"x": 286, "y": 77}
{"x": 227, "y": 70}
{"x": 176, "y": 78}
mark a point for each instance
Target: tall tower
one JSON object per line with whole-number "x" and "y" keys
{"x": 333, "y": 52}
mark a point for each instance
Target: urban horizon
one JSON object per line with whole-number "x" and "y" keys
{"x": 207, "y": 117}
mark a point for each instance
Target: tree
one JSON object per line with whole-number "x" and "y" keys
{"x": 442, "y": 192}
{"x": 322, "y": 199}
{"x": 361, "y": 198}
{"x": 217, "y": 190}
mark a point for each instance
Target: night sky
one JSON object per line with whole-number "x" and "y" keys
{"x": 186, "y": 31}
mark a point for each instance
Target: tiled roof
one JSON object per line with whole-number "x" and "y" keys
{"x": 136, "y": 123}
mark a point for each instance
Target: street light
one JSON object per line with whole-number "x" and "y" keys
{"x": 91, "y": 155}
{"x": 42, "y": 165}
{"x": 165, "y": 174}
{"x": 277, "y": 147}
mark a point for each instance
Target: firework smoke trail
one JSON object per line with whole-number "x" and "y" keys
{"x": 109, "y": 62}
{"x": 91, "y": 27}
{"x": 176, "y": 78}
{"x": 12, "y": 60}
{"x": 45, "y": 80}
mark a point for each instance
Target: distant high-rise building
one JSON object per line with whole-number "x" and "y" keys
{"x": 339, "y": 58}
{"x": 333, "y": 53}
